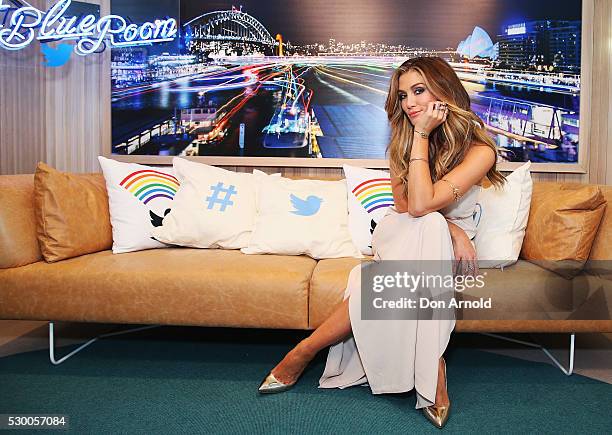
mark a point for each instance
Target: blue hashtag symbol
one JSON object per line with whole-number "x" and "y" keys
{"x": 214, "y": 198}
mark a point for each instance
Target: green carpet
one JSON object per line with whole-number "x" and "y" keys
{"x": 199, "y": 380}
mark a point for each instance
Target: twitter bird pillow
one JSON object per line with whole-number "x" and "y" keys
{"x": 297, "y": 217}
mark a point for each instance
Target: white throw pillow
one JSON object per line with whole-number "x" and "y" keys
{"x": 501, "y": 219}
{"x": 138, "y": 197}
{"x": 369, "y": 197}
{"x": 297, "y": 217}
{"x": 214, "y": 208}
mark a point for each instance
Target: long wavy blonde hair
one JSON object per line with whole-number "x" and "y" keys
{"x": 449, "y": 142}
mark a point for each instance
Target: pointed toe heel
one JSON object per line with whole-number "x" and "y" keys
{"x": 272, "y": 385}
{"x": 438, "y": 415}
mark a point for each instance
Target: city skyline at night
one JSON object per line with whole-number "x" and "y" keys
{"x": 309, "y": 79}
{"x": 418, "y": 23}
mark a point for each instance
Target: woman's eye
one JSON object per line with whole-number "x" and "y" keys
{"x": 402, "y": 96}
{"x": 418, "y": 91}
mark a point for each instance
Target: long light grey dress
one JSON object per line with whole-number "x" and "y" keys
{"x": 394, "y": 356}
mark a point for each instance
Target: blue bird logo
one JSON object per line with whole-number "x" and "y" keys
{"x": 306, "y": 207}
{"x": 56, "y": 56}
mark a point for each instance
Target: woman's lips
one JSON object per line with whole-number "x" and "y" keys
{"x": 413, "y": 114}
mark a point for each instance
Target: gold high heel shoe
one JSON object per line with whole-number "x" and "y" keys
{"x": 272, "y": 385}
{"x": 438, "y": 415}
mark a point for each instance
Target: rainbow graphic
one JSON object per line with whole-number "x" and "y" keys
{"x": 146, "y": 185}
{"x": 374, "y": 194}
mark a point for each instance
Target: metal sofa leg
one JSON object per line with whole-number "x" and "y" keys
{"x": 84, "y": 345}
{"x": 567, "y": 371}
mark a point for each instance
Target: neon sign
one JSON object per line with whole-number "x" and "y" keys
{"x": 28, "y": 23}
{"x": 517, "y": 29}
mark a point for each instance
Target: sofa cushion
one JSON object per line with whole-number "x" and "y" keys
{"x": 327, "y": 287}
{"x": 563, "y": 222}
{"x": 501, "y": 219}
{"x": 18, "y": 242}
{"x": 297, "y": 217}
{"x": 138, "y": 199}
{"x": 602, "y": 246}
{"x": 522, "y": 291}
{"x": 72, "y": 215}
{"x": 213, "y": 208}
{"x": 369, "y": 195}
{"x": 174, "y": 286}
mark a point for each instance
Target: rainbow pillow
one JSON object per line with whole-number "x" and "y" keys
{"x": 138, "y": 197}
{"x": 369, "y": 197}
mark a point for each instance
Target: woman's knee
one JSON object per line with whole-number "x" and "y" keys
{"x": 434, "y": 217}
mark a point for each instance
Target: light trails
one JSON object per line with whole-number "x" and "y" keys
{"x": 337, "y": 77}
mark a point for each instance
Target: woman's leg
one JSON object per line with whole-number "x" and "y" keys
{"x": 334, "y": 329}
{"x": 441, "y": 392}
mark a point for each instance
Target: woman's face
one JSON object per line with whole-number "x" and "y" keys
{"x": 414, "y": 95}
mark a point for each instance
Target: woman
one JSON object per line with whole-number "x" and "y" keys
{"x": 439, "y": 152}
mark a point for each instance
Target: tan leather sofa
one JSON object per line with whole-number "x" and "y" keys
{"x": 183, "y": 286}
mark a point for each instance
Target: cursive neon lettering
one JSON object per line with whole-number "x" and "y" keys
{"x": 131, "y": 32}
{"x": 12, "y": 37}
{"x": 53, "y": 15}
{"x": 28, "y": 23}
{"x": 148, "y": 28}
{"x": 87, "y": 25}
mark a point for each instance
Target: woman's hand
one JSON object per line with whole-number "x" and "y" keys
{"x": 435, "y": 115}
{"x": 466, "y": 262}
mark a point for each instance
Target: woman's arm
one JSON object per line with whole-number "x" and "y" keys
{"x": 433, "y": 197}
{"x": 463, "y": 250}
{"x": 456, "y": 231}
{"x": 399, "y": 194}
{"x": 426, "y": 196}
{"x": 466, "y": 261}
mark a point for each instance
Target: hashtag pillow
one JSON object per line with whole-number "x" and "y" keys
{"x": 213, "y": 208}
{"x": 302, "y": 217}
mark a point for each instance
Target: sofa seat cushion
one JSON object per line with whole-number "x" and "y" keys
{"x": 522, "y": 291}
{"x": 327, "y": 287}
{"x": 177, "y": 286}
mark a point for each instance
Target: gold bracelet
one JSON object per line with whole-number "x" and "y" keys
{"x": 456, "y": 195}
{"x": 421, "y": 133}
{"x": 417, "y": 158}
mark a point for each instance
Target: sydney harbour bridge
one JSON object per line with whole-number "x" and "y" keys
{"x": 235, "y": 29}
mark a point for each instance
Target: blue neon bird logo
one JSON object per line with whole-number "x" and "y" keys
{"x": 58, "y": 56}
{"x": 307, "y": 207}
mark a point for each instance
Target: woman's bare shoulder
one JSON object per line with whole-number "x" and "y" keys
{"x": 480, "y": 158}
{"x": 481, "y": 151}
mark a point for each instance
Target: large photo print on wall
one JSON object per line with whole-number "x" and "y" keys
{"x": 308, "y": 79}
